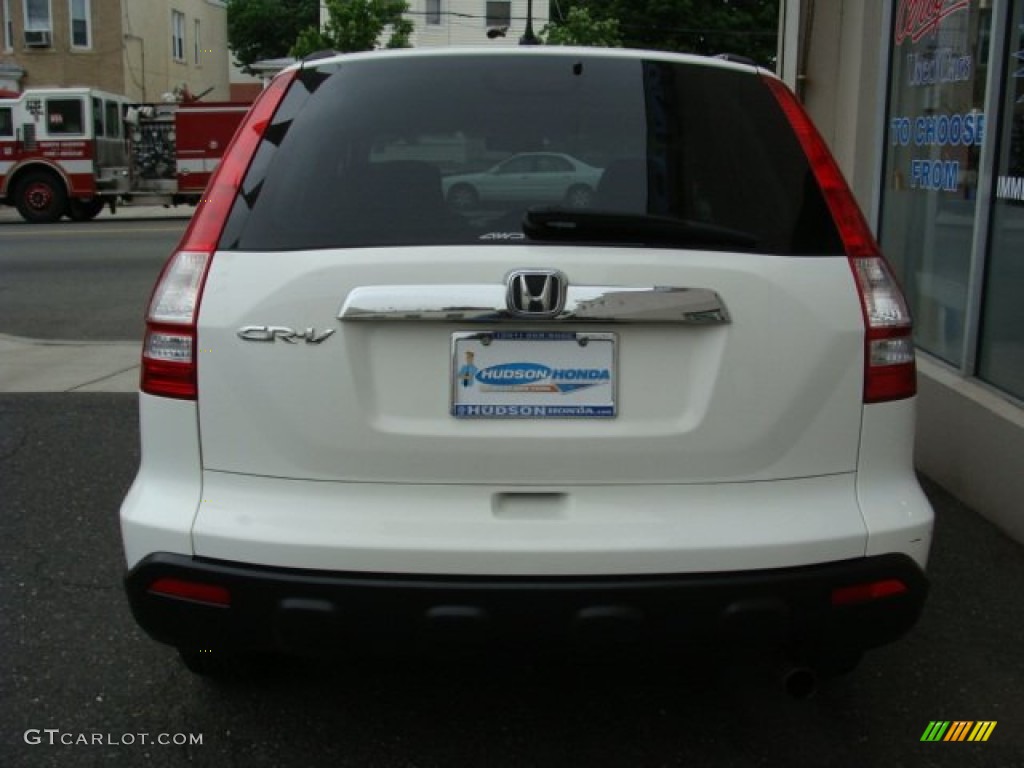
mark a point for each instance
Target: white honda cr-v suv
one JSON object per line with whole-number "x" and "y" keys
{"x": 677, "y": 408}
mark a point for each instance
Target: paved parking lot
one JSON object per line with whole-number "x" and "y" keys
{"x": 75, "y": 663}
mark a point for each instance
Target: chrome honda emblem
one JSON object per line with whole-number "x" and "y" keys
{"x": 536, "y": 293}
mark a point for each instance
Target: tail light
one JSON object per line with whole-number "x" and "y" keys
{"x": 169, "y": 351}
{"x": 889, "y": 370}
{"x": 197, "y": 591}
{"x": 868, "y": 592}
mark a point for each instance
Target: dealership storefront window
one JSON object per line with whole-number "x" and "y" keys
{"x": 952, "y": 222}
{"x": 936, "y": 127}
{"x": 1001, "y": 350}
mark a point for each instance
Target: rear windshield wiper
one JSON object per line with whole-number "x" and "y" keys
{"x": 545, "y": 223}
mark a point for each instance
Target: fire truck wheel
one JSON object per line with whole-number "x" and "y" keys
{"x": 41, "y": 197}
{"x": 84, "y": 210}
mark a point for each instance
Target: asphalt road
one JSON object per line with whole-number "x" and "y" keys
{"x": 88, "y": 281}
{"x": 74, "y": 661}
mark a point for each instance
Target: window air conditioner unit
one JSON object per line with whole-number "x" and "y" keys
{"x": 37, "y": 38}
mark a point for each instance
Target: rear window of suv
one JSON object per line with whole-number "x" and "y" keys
{"x": 457, "y": 149}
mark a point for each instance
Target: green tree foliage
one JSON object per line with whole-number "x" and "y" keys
{"x": 267, "y": 29}
{"x": 580, "y": 28}
{"x": 357, "y": 25}
{"x": 746, "y": 27}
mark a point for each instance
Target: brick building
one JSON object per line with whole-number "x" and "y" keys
{"x": 140, "y": 48}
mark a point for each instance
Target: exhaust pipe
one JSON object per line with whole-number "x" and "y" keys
{"x": 799, "y": 681}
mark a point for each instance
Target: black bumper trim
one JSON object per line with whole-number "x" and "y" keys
{"x": 322, "y": 613}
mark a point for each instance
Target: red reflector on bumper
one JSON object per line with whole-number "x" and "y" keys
{"x": 865, "y": 593}
{"x": 191, "y": 590}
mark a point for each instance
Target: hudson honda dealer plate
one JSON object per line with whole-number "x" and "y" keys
{"x": 533, "y": 375}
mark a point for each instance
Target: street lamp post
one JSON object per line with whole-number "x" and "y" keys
{"x": 528, "y": 37}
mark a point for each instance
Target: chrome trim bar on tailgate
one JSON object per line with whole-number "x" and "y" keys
{"x": 487, "y": 304}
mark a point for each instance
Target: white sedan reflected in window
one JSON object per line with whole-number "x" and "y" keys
{"x": 541, "y": 177}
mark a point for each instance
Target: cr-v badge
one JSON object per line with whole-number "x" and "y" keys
{"x": 275, "y": 332}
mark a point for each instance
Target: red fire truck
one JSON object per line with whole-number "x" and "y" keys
{"x": 71, "y": 151}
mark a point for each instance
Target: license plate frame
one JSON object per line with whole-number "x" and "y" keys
{"x": 534, "y": 375}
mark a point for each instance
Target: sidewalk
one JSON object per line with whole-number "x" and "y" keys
{"x": 35, "y": 365}
{"x": 9, "y": 214}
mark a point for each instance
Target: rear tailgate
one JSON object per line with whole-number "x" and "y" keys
{"x": 774, "y": 393}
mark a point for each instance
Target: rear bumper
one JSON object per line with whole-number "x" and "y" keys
{"x": 322, "y": 613}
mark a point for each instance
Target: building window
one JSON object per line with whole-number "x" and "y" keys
{"x": 1001, "y": 346}
{"x": 37, "y": 15}
{"x": 81, "y": 23}
{"x": 433, "y": 11}
{"x": 8, "y": 26}
{"x": 178, "y": 35}
{"x": 936, "y": 127}
{"x": 197, "y": 51}
{"x": 499, "y": 14}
